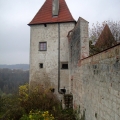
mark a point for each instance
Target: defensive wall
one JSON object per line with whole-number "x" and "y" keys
{"x": 96, "y": 86}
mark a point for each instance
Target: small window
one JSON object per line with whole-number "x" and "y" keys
{"x": 64, "y": 65}
{"x": 42, "y": 46}
{"x": 41, "y": 65}
{"x": 45, "y": 25}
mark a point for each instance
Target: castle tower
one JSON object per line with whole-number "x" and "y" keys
{"x": 49, "y": 45}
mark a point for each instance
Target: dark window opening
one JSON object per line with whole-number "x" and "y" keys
{"x": 42, "y": 46}
{"x": 64, "y": 66}
{"x": 45, "y": 25}
{"x": 41, "y": 65}
{"x": 96, "y": 115}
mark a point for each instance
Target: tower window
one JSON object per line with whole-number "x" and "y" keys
{"x": 64, "y": 65}
{"x": 41, "y": 65}
{"x": 42, "y": 46}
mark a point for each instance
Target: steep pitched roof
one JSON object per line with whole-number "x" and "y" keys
{"x": 106, "y": 39}
{"x": 44, "y": 15}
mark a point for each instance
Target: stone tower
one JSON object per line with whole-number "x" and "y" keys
{"x": 49, "y": 53}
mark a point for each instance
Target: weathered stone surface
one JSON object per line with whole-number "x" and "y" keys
{"x": 48, "y": 75}
{"x": 96, "y": 86}
{"x": 93, "y": 81}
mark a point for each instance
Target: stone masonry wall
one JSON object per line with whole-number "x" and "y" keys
{"x": 64, "y": 54}
{"x": 40, "y": 33}
{"x": 48, "y": 75}
{"x": 78, "y": 46}
{"x": 74, "y": 45}
{"x": 96, "y": 86}
{"x": 78, "y": 42}
{"x": 84, "y": 39}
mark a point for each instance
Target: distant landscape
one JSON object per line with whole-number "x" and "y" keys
{"x": 16, "y": 66}
{"x": 12, "y": 76}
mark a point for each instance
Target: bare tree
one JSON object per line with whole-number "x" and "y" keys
{"x": 97, "y": 29}
{"x": 115, "y": 29}
{"x": 97, "y": 32}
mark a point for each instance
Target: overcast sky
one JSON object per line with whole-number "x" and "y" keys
{"x": 16, "y": 14}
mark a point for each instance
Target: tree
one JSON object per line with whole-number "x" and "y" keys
{"x": 97, "y": 29}
{"x": 11, "y": 79}
{"x": 103, "y": 36}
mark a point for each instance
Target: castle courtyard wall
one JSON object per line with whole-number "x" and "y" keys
{"x": 96, "y": 86}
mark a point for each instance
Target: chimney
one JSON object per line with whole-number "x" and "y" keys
{"x": 55, "y": 7}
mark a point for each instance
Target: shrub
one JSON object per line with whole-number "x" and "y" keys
{"x": 37, "y": 104}
{"x": 38, "y": 115}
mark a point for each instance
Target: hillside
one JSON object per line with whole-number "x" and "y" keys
{"x": 16, "y": 66}
{"x": 10, "y": 80}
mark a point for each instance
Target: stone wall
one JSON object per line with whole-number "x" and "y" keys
{"x": 96, "y": 86}
{"x": 48, "y": 75}
{"x": 78, "y": 42}
{"x": 64, "y": 54}
{"x": 84, "y": 38}
{"x": 75, "y": 45}
{"x": 78, "y": 46}
{"x": 40, "y": 33}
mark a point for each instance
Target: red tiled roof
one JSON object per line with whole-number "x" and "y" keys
{"x": 44, "y": 15}
{"x": 106, "y": 38}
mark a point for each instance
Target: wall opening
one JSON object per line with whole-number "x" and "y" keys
{"x": 45, "y": 25}
{"x": 95, "y": 115}
{"x": 64, "y": 65}
{"x": 41, "y": 65}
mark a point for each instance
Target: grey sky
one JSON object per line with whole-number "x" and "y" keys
{"x": 16, "y": 14}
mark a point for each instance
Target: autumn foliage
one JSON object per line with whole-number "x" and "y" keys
{"x": 103, "y": 36}
{"x": 33, "y": 104}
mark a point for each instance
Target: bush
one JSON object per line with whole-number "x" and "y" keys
{"x": 38, "y": 115}
{"x": 37, "y": 104}
{"x": 37, "y": 99}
